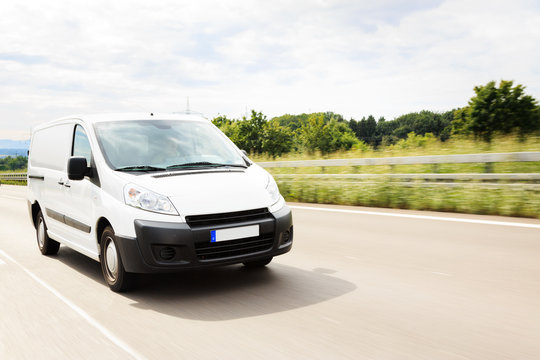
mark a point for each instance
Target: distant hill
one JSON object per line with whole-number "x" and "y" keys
{"x": 13, "y": 147}
{"x": 13, "y": 152}
{"x": 14, "y": 144}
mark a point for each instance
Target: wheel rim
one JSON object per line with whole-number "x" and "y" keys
{"x": 111, "y": 259}
{"x": 41, "y": 233}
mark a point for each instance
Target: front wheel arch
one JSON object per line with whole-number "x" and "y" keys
{"x": 101, "y": 224}
{"x": 111, "y": 263}
{"x": 35, "y": 209}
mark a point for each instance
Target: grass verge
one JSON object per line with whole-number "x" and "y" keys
{"x": 12, "y": 182}
{"x": 462, "y": 198}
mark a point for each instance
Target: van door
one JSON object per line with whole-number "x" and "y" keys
{"x": 48, "y": 159}
{"x": 80, "y": 197}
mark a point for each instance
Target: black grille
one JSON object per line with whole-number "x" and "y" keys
{"x": 228, "y": 218}
{"x": 219, "y": 250}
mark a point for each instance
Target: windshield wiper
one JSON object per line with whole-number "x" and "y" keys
{"x": 140, "y": 168}
{"x": 202, "y": 164}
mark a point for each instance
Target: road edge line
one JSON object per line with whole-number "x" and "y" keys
{"x": 425, "y": 217}
{"x": 108, "y": 334}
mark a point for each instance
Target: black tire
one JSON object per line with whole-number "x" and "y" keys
{"x": 46, "y": 245}
{"x": 257, "y": 263}
{"x": 112, "y": 266}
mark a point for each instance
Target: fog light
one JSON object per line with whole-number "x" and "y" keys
{"x": 167, "y": 253}
{"x": 287, "y": 236}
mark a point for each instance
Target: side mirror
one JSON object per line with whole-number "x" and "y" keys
{"x": 246, "y": 158}
{"x": 77, "y": 168}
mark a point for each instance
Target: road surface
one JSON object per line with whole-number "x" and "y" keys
{"x": 360, "y": 283}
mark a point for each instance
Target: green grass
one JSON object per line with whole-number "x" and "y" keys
{"x": 462, "y": 198}
{"x": 12, "y": 182}
{"x": 12, "y": 171}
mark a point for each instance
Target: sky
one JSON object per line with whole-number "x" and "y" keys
{"x": 355, "y": 58}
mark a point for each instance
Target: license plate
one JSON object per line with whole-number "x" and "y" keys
{"x": 234, "y": 233}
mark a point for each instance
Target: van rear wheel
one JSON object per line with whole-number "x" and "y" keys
{"x": 46, "y": 245}
{"x": 112, "y": 266}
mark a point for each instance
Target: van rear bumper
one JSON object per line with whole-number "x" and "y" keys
{"x": 169, "y": 247}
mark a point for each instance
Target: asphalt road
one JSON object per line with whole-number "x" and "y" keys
{"x": 360, "y": 283}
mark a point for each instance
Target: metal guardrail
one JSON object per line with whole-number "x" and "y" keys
{"x": 410, "y": 160}
{"x": 455, "y": 176}
{"x": 13, "y": 176}
{"x": 487, "y": 158}
{"x": 427, "y": 176}
{"x": 487, "y": 179}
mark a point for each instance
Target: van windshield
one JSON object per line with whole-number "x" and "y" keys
{"x": 155, "y": 145}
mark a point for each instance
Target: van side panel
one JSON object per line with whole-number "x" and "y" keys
{"x": 51, "y": 147}
{"x": 49, "y": 153}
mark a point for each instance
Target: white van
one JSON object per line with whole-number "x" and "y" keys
{"x": 144, "y": 193}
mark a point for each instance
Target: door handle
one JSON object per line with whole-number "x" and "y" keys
{"x": 67, "y": 185}
{"x": 61, "y": 182}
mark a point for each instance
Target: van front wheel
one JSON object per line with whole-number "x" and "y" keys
{"x": 46, "y": 245}
{"x": 111, "y": 263}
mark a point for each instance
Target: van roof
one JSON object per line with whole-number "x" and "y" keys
{"x": 95, "y": 118}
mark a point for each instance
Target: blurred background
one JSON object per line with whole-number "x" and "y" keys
{"x": 309, "y": 80}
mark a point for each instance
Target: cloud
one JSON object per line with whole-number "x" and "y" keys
{"x": 353, "y": 57}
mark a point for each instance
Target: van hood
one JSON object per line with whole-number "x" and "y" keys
{"x": 209, "y": 191}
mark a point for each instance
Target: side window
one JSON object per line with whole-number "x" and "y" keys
{"x": 81, "y": 145}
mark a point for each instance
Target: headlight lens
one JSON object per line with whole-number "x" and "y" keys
{"x": 141, "y": 198}
{"x": 273, "y": 190}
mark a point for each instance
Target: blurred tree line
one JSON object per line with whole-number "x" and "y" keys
{"x": 13, "y": 163}
{"x": 504, "y": 109}
{"x": 324, "y": 132}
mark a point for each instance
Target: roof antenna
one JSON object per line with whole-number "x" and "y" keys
{"x": 187, "y": 106}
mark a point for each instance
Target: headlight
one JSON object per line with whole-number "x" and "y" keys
{"x": 141, "y": 198}
{"x": 273, "y": 190}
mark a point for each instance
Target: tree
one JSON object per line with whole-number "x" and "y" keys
{"x": 421, "y": 123}
{"x": 293, "y": 122}
{"x": 369, "y": 128}
{"x": 365, "y": 129}
{"x": 13, "y": 163}
{"x": 461, "y": 121}
{"x": 446, "y": 121}
{"x": 251, "y": 132}
{"x": 221, "y": 121}
{"x": 498, "y": 110}
{"x": 256, "y": 134}
{"x": 229, "y": 128}
{"x": 325, "y": 137}
{"x": 276, "y": 139}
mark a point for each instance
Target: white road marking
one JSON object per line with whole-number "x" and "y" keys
{"x": 440, "y": 273}
{"x": 12, "y": 197}
{"x": 425, "y": 217}
{"x": 331, "y": 320}
{"x": 109, "y": 335}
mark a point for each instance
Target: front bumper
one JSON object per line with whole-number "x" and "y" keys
{"x": 168, "y": 247}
